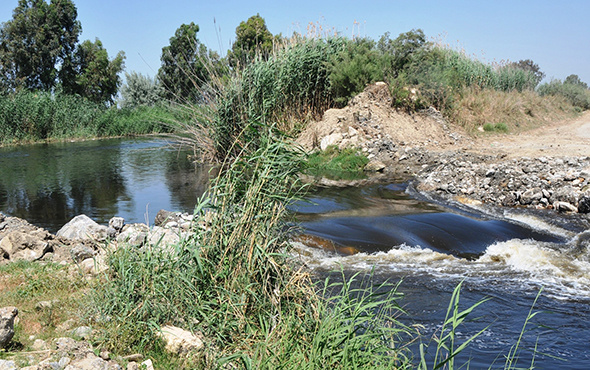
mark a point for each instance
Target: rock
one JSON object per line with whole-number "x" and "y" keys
{"x": 564, "y": 207}
{"x": 565, "y": 194}
{"x": 20, "y": 246}
{"x": 530, "y": 196}
{"x": 584, "y": 204}
{"x": 134, "y": 357}
{"x": 81, "y": 252}
{"x": 90, "y": 362}
{"x": 111, "y": 233}
{"x": 45, "y": 305}
{"x": 147, "y": 365}
{"x": 66, "y": 325}
{"x": 132, "y": 366}
{"x": 93, "y": 266}
{"x": 134, "y": 234}
{"x": 84, "y": 228}
{"x": 66, "y": 345}
{"x": 332, "y": 139}
{"x": 164, "y": 237}
{"x": 82, "y": 332}
{"x": 117, "y": 223}
{"x": 375, "y": 165}
{"x": 164, "y": 216}
{"x": 180, "y": 341}
{"x": 7, "y": 316}
{"x": 8, "y": 365}
{"x": 40, "y": 345}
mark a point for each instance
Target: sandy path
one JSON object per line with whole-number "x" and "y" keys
{"x": 570, "y": 138}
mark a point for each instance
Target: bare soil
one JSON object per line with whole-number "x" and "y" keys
{"x": 369, "y": 117}
{"x": 570, "y": 138}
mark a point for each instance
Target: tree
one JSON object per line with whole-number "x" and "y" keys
{"x": 252, "y": 39}
{"x": 401, "y": 49}
{"x": 97, "y": 77}
{"x": 39, "y": 38}
{"x": 186, "y": 64}
{"x": 140, "y": 90}
{"x": 575, "y": 80}
{"x": 529, "y": 66}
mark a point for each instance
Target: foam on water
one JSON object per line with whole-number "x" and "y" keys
{"x": 517, "y": 263}
{"x": 536, "y": 223}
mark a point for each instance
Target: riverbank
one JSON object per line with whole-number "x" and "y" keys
{"x": 546, "y": 168}
{"x": 410, "y": 158}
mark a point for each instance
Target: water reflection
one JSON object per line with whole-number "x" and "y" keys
{"x": 48, "y": 184}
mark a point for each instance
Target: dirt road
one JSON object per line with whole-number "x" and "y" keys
{"x": 570, "y": 138}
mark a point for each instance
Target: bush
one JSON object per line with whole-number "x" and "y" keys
{"x": 140, "y": 90}
{"x": 353, "y": 68}
{"x": 576, "y": 94}
{"x": 442, "y": 74}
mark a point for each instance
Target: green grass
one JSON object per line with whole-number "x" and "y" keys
{"x": 24, "y": 285}
{"x": 497, "y": 127}
{"x": 333, "y": 162}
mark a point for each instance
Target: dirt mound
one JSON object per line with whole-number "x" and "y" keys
{"x": 370, "y": 117}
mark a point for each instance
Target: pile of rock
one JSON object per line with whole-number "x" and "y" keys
{"x": 70, "y": 353}
{"x": 83, "y": 241}
{"x": 370, "y": 123}
{"x": 562, "y": 184}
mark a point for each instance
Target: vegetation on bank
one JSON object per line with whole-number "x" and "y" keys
{"x": 335, "y": 163}
{"x": 234, "y": 281}
{"x": 36, "y": 116}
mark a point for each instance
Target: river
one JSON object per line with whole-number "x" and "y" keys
{"x": 386, "y": 230}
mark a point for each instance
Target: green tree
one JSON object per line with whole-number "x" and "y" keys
{"x": 529, "y": 66}
{"x": 186, "y": 65}
{"x": 401, "y": 49}
{"x": 39, "y": 38}
{"x": 140, "y": 90}
{"x": 575, "y": 80}
{"x": 252, "y": 39}
{"x": 97, "y": 77}
{"x": 357, "y": 65}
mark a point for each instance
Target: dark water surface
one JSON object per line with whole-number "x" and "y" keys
{"x": 49, "y": 184}
{"x": 506, "y": 255}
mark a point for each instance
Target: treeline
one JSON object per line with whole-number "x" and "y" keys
{"x": 264, "y": 78}
{"x": 269, "y": 79}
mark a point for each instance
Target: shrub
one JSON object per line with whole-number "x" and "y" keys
{"x": 353, "y": 68}
{"x": 140, "y": 90}
{"x": 576, "y": 94}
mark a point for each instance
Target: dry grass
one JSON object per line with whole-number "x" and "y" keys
{"x": 26, "y": 284}
{"x": 518, "y": 110}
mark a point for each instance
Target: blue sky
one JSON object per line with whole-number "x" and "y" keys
{"x": 555, "y": 35}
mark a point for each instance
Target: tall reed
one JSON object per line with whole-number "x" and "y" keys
{"x": 35, "y": 116}
{"x": 287, "y": 89}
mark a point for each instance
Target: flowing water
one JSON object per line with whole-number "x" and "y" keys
{"x": 387, "y": 230}
{"x": 507, "y": 256}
